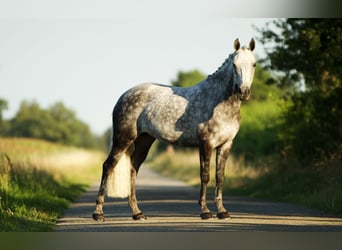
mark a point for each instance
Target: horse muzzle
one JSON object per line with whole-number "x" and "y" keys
{"x": 244, "y": 93}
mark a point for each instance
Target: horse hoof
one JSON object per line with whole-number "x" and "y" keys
{"x": 206, "y": 215}
{"x": 139, "y": 216}
{"x": 98, "y": 217}
{"x": 223, "y": 215}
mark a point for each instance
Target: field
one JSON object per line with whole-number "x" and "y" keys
{"x": 38, "y": 180}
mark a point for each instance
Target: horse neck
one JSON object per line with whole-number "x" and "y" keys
{"x": 223, "y": 80}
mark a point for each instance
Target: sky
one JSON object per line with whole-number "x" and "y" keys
{"x": 87, "y": 53}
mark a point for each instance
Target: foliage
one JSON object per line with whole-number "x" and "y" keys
{"x": 38, "y": 180}
{"x": 308, "y": 48}
{"x": 260, "y": 119}
{"x": 308, "y": 55}
{"x": 55, "y": 124}
{"x": 318, "y": 188}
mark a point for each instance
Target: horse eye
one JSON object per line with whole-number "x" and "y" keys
{"x": 254, "y": 65}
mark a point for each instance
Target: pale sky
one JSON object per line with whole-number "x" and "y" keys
{"x": 87, "y": 55}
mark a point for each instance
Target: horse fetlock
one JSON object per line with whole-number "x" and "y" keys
{"x": 219, "y": 205}
{"x": 203, "y": 204}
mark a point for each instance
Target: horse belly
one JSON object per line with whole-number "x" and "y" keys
{"x": 168, "y": 133}
{"x": 167, "y": 120}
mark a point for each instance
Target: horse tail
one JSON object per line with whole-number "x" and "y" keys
{"x": 119, "y": 180}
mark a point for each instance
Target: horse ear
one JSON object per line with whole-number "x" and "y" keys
{"x": 236, "y": 44}
{"x": 252, "y": 44}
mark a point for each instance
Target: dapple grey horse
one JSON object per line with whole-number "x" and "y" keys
{"x": 206, "y": 116}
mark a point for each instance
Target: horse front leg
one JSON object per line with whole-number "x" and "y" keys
{"x": 205, "y": 155}
{"x": 222, "y": 153}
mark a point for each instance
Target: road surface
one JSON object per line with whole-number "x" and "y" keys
{"x": 171, "y": 206}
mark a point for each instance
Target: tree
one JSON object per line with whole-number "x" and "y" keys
{"x": 31, "y": 121}
{"x": 56, "y": 124}
{"x": 308, "y": 55}
{"x": 68, "y": 128}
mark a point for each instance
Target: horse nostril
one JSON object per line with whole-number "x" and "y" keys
{"x": 244, "y": 93}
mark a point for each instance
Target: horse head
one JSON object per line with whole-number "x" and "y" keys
{"x": 244, "y": 66}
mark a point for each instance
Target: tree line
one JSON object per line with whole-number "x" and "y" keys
{"x": 56, "y": 123}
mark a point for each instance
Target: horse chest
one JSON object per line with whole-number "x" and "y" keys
{"x": 221, "y": 127}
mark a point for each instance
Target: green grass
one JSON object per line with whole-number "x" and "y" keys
{"x": 38, "y": 181}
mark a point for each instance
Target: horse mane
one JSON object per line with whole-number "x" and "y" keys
{"x": 220, "y": 74}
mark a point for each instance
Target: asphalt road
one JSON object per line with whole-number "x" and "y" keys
{"x": 171, "y": 206}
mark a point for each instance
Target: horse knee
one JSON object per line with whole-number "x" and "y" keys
{"x": 205, "y": 178}
{"x": 205, "y": 175}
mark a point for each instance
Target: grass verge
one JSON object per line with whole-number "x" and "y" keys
{"x": 318, "y": 187}
{"x": 38, "y": 181}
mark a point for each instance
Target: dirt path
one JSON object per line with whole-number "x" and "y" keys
{"x": 171, "y": 205}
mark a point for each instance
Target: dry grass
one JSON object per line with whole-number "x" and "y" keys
{"x": 184, "y": 165}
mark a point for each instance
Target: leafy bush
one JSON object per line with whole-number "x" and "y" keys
{"x": 260, "y": 120}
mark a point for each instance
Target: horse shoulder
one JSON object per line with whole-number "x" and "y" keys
{"x": 223, "y": 124}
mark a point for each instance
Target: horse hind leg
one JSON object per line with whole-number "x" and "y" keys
{"x": 115, "y": 156}
{"x": 142, "y": 146}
